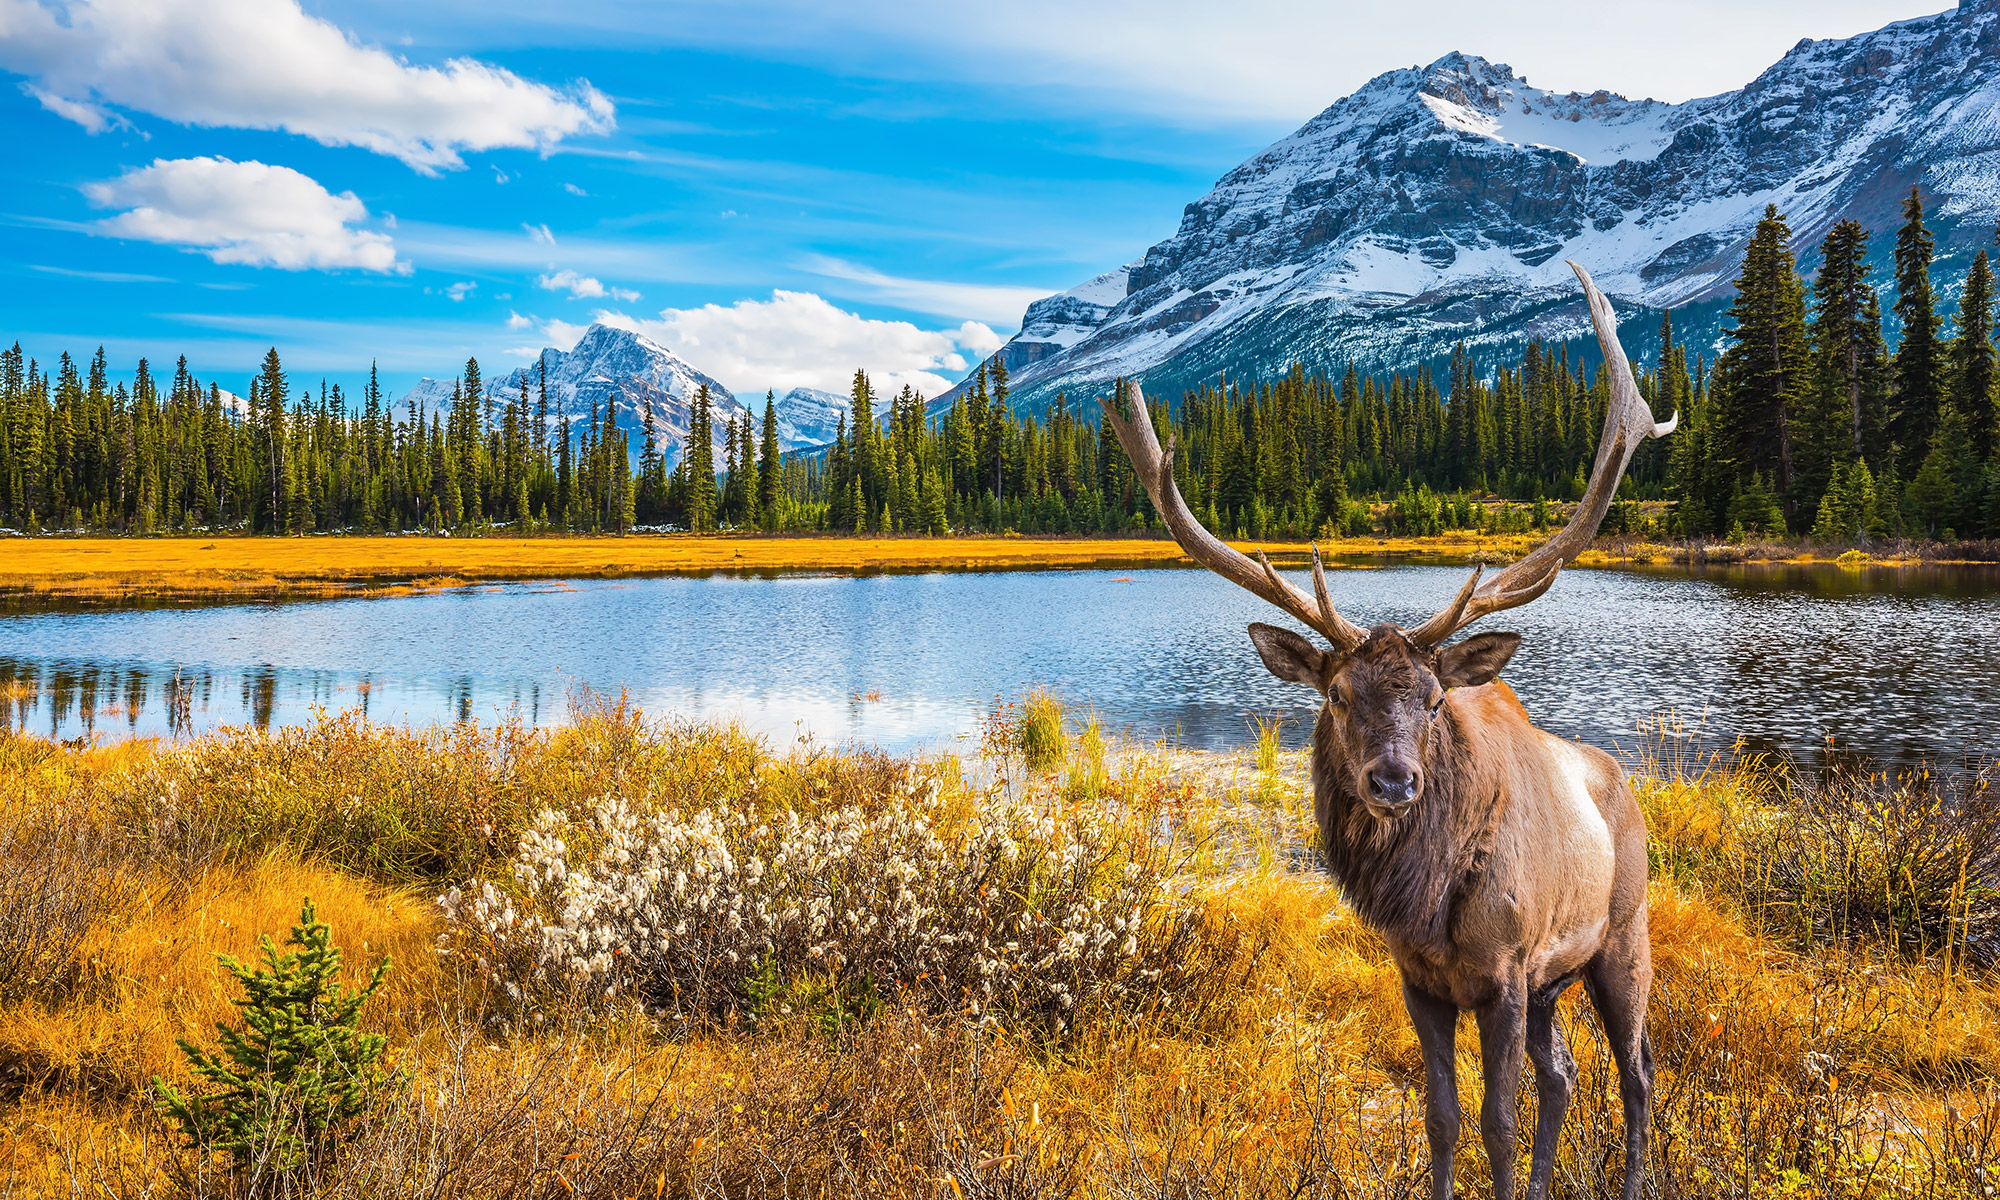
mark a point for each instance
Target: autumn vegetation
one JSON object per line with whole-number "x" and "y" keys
{"x": 636, "y": 957}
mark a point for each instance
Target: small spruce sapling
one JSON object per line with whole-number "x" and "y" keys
{"x": 292, "y": 1083}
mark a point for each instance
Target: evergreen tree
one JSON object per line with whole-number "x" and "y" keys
{"x": 1762, "y": 381}
{"x": 1847, "y": 346}
{"x": 1974, "y": 369}
{"x": 770, "y": 468}
{"x": 699, "y": 460}
{"x": 1919, "y": 364}
{"x": 272, "y": 388}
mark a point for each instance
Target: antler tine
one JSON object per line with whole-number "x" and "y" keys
{"x": 1155, "y": 470}
{"x": 1320, "y": 595}
{"x": 1628, "y": 422}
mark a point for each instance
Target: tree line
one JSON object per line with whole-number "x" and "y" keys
{"x": 1808, "y": 422}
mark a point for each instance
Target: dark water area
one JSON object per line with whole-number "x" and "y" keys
{"x": 1814, "y": 662}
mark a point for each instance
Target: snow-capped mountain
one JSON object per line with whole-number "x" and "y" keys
{"x": 1439, "y": 203}
{"x": 810, "y": 417}
{"x": 631, "y": 372}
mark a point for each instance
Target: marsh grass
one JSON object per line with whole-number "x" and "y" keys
{"x": 1807, "y": 1045}
{"x": 1044, "y": 732}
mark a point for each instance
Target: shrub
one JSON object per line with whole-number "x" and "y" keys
{"x": 300, "y": 1076}
{"x": 1013, "y": 910}
{"x": 1911, "y": 858}
{"x": 56, "y": 878}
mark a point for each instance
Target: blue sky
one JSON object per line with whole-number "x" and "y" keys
{"x": 779, "y": 191}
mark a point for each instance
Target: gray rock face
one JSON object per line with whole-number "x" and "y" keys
{"x": 1439, "y": 203}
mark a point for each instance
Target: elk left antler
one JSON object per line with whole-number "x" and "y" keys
{"x": 1155, "y": 468}
{"x": 1628, "y": 422}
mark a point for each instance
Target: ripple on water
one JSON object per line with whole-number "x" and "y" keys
{"x": 1896, "y": 664}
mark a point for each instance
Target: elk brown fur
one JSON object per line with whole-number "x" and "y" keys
{"x": 1501, "y": 864}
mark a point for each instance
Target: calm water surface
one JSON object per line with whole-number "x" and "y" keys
{"x": 1896, "y": 665}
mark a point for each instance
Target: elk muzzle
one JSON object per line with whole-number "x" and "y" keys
{"x": 1393, "y": 785}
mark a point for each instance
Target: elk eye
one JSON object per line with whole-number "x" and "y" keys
{"x": 1437, "y": 706}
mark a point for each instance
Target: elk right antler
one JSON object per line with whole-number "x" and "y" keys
{"x": 1155, "y": 468}
{"x": 1628, "y": 422}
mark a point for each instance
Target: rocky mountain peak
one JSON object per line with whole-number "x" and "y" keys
{"x": 1437, "y": 203}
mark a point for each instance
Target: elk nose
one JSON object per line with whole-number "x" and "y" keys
{"x": 1392, "y": 783}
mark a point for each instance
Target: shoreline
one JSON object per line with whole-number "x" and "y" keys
{"x": 239, "y": 567}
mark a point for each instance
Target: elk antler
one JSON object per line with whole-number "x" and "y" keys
{"x": 1628, "y": 421}
{"x": 1156, "y": 472}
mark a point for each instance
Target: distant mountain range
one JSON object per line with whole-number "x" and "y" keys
{"x": 632, "y": 373}
{"x": 1438, "y": 203}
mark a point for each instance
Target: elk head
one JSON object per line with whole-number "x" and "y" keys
{"x": 1384, "y": 701}
{"x": 1384, "y": 687}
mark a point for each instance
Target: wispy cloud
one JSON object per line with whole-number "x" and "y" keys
{"x": 995, "y": 303}
{"x": 583, "y": 287}
{"x": 100, "y": 276}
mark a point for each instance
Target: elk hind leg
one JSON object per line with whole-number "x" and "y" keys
{"x": 1555, "y": 1080}
{"x": 1436, "y": 1022}
{"x": 1619, "y": 981}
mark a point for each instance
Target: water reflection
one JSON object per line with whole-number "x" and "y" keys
{"x": 1892, "y": 664}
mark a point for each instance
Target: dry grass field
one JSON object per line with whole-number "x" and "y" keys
{"x": 1050, "y": 968}
{"x": 113, "y": 569}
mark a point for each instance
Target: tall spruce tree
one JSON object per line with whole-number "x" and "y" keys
{"x": 1762, "y": 380}
{"x": 770, "y": 467}
{"x": 1847, "y": 345}
{"x": 1974, "y": 371}
{"x": 699, "y": 459}
{"x": 1919, "y": 365}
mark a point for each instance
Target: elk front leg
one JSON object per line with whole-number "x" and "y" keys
{"x": 1437, "y": 1035}
{"x": 1503, "y": 1036}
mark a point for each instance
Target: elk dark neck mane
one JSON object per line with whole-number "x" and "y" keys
{"x": 1402, "y": 874}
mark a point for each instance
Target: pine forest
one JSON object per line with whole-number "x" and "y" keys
{"x": 1807, "y": 423}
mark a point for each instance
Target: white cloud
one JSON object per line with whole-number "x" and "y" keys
{"x": 517, "y": 321}
{"x": 459, "y": 291}
{"x": 798, "y": 339}
{"x": 574, "y": 190}
{"x": 999, "y": 304}
{"x": 583, "y": 287}
{"x": 243, "y": 212}
{"x": 539, "y": 234}
{"x": 267, "y": 64}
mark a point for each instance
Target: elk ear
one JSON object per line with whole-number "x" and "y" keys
{"x": 1289, "y": 656}
{"x": 1477, "y": 659}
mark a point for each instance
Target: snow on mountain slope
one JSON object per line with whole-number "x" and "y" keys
{"x": 1437, "y": 204}
{"x": 810, "y": 417}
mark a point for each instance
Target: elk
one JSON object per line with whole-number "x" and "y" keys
{"x": 1500, "y": 863}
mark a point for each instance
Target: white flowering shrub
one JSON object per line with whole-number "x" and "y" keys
{"x": 1016, "y": 910}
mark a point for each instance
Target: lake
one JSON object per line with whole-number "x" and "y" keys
{"x": 1898, "y": 665}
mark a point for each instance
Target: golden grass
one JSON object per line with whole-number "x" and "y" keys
{"x": 127, "y": 568}
{"x": 1785, "y": 1067}
{"x": 193, "y": 568}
